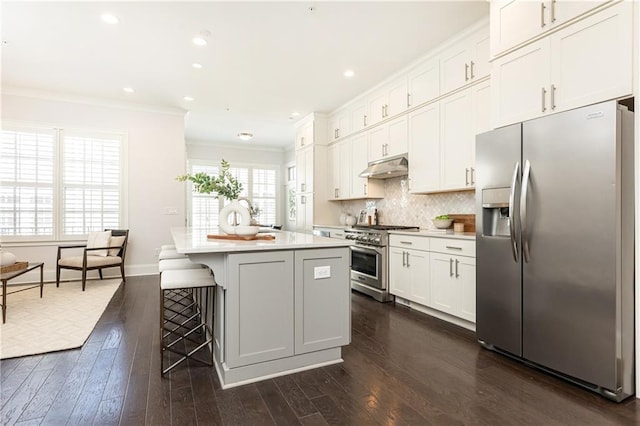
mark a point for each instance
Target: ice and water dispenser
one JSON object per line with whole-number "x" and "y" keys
{"x": 495, "y": 212}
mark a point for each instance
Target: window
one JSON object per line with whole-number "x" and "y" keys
{"x": 59, "y": 184}
{"x": 259, "y": 184}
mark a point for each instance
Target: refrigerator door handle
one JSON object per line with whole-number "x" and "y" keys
{"x": 523, "y": 211}
{"x": 512, "y": 218}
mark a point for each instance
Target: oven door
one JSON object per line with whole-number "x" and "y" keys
{"x": 367, "y": 266}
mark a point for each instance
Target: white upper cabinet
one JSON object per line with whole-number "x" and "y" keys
{"x": 424, "y": 148}
{"x": 389, "y": 101}
{"x": 513, "y": 22}
{"x": 465, "y": 62}
{"x": 584, "y": 63}
{"x": 304, "y": 170}
{"x": 388, "y": 139}
{"x": 456, "y": 141}
{"x": 304, "y": 135}
{"x": 340, "y": 166}
{"x": 358, "y": 116}
{"x": 338, "y": 125}
{"x": 582, "y": 76}
{"x": 423, "y": 82}
{"x": 363, "y": 187}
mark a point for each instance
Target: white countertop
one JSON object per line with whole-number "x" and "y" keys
{"x": 439, "y": 234}
{"x": 332, "y": 226}
{"x": 192, "y": 240}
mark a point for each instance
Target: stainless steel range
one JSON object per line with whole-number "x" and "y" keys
{"x": 369, "y": 259}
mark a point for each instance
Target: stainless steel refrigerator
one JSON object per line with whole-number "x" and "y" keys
{"x": 555, "y": 245}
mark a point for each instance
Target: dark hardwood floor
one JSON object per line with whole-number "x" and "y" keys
{"x": 402, "y": 368}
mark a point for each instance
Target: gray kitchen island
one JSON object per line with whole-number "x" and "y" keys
{"x": 281, "y": 305}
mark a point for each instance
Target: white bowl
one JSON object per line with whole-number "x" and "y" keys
{"x": 442, "y": 223}
{"x": 246, "y": 231}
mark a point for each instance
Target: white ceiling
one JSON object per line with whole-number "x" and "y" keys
{"x": 263, "y": 60}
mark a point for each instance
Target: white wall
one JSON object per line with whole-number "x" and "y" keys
{"x": 155, "y": 156}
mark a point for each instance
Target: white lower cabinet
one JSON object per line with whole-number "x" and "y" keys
{"x": 453, "y": 285}
{"x": 438, "y": 273}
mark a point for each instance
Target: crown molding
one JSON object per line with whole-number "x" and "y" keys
{"x": 102, "y": 102}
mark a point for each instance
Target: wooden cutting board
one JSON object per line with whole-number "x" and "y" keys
{"x": 242, "y": 237}
{"x": 469, "y": 221}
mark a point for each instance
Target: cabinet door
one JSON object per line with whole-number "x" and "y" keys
{"x": 454, "y": 67}
{"x": 479, "y": 66}
{"x": 304, "y": 135}
{"x": 399, "y": 278}
{"x": 424, "y": 148}
{"x": 591, "y": 59}
{"x": 322, "y": 305}
{"x": 398, "y": 98}
{"x": 515, "y": 21}
{"x": 378, "y": 139}
{"x": 417, "y": 264}
{"x": 332, "y": 128}
{"x": 359, "y": 117}
{"x": 397, "y": 143}
{"x": 424, "y": 82}
{"x": 520, "y": 84}
{"x": 333, "y": 180}
{"x": 466, "y": 282}
{"x": 443, "y": 285}
{"x": 359, "y": 154}
{"x": 301, "y": 167}
{"x": 377, "y": 103}
{"x": 481, "y": 120}
{"x": 304, "y": 212}
{"x": 308, "y": 170}
{"x": 259, "y": 307}
{"x": 456, "y": 140}
{"x": 344, "y": 172}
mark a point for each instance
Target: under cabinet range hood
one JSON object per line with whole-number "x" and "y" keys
{"x": 387, "y": 168}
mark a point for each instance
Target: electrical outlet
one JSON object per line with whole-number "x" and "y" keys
{"x": 320, "y": 272}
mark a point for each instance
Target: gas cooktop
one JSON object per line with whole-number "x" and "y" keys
{"x": 387, "y": 227}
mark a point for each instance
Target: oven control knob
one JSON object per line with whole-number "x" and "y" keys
{"x": 376, "y": 240}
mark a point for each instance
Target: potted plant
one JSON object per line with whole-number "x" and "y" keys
{"x": 226, "y": 185}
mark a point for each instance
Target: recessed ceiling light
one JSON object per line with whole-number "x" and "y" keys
{"x": 295, "y": 114}
{"x": 128, "y": 90}
{"x": 199, "y": 41}
{"x": 188, "y": 98}
{"x": 245, "y": 136}
{"x": 349, "y": 73}
{"x": 109, "y": 19}
{"x": 196, "y": 65}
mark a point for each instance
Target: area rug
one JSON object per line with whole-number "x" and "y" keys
{"x": 62, "y": 319}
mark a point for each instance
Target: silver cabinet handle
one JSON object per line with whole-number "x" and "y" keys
{"x": 382, "y": 111}
{"x": 553, "y": 11}
{"x": 302, "y": 141}
{"x": 335, "y": 193}
{"x": 365, "y": 189}
{"x": 408, "y": 100}
{"x": 471, "y": 68}
{"x": 450, "y": 267}
{"x": 466, "y": 177}
{"x": 404, "y": 263}
{"x": 553, "y": 96}
{"x": 523, "y": 210}
{"x": 544, "y": 99}
{"x": 406, "y": 242}
{"x": 542, "y": 8}
{"x": 512, "y": 218}
{"x": 453, "y": 248}
{"x": 365, "y": 120}
{"x": 472, "y": 173}
{"x": 457, "y": 262}
{"x": 408, "y": 260}
{"x": 338, "y": 234}
{"x": 466, "y": 72}
{"x": 303, "y": 199}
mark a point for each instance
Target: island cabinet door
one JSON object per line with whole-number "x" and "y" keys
{"x": 322, "y": 299}
{"x": 259, "y": 314}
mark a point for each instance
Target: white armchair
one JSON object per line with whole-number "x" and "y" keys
{"x": 103, "y": 250}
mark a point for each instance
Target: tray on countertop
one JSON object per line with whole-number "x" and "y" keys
{"x": 241, "y": 237}
{"x": 15, "y": 267}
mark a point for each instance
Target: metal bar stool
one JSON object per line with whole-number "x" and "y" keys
{"x": 184, "y": 313}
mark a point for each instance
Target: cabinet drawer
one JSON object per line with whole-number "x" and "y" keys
{"x": 410, "y": 242}
{"x": 454, "y": 246}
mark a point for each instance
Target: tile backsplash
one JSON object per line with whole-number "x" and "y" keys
{"x": 399, "y": 207}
